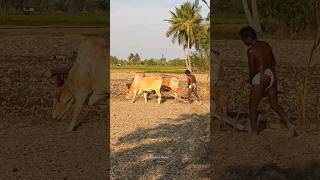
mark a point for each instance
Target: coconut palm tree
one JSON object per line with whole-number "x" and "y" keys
{"x": 251, "y": 12}
{"x": 185, "y": 22}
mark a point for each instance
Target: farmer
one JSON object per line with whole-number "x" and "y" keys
{"x": 192, "y": 85}
{"x": 262, "y": 76}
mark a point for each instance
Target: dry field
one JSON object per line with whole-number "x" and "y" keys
{"x": 271, "y": 155}
{"x": 166, "y": 141}
{"x": 33, "y": 145}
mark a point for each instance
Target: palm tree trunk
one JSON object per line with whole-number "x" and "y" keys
{"x": 255, "y": 16}
{"x": 186, "y": 60}
{"x": 252, "y": 15}
{"x": 189, "y": 52}
{"x": 247, "y": 12}
{"x": 189, "y": 59}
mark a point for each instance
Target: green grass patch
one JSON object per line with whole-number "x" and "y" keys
{"x": 227, "y": 26}
{"x": 150, "y": 69}
{"x": 228, "y": 20}
{"x": 226, "y": 31}
{"x": 98, "y": 19}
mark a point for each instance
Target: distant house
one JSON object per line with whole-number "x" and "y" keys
{"x": 28, "y": 10}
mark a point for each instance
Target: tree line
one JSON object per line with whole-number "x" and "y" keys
{"x": 134, "y": 59}
{"x": 198, "y": 62}
{"x": 290, "y": 16}
{"x": 71, "y": 6}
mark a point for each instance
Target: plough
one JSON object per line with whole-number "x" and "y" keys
{"x": 164, "y": 89}
{"x": 178, "y": 98}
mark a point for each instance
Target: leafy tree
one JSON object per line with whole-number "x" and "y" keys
{"x": 295, "y": 15}
{"x": 202, "y": 44}
{"x": 131, "y": 58}
{"x": 137, "y": 58}
{"x": 134, "y": 58}
{"x": 228, "y": 7}
{"x": 206, "y": 2}
{"x": 61, "y": 5}
{"x": 176, "y": 62}
{"x": 150, "y": 62}
{"x": 104, "y": 4}
{"x": 114, "y": 60}
{"x": 199, "y": 63}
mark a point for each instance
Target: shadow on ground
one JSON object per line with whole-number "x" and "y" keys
{"x": 167, "y": 151}
{"x": 310, "y": 171}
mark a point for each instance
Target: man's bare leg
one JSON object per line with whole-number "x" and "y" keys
{"x": 255, "y": 97}
{"x": 189, "y": 94}
{"x": 273, "y": 100}
{"x": 196, "y": 94}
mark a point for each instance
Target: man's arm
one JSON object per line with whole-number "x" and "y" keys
{"x": 188, "y": 80}
{"x": 194, "y": 80}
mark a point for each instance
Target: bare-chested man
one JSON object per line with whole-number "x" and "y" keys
{"x": 262, "y": 78}
{"x": 192, "y": 85}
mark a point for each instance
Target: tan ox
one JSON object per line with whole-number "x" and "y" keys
{"x": 144, "y": 84}
{"x": 171, "y": 83}
{"x": 86, "y": 78}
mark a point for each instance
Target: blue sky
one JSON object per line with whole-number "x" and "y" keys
{"x": 139, "y": 26}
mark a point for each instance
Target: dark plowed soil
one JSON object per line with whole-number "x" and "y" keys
{"x": 151, "y": 141}
{"x": 271, "y": 155}
{"x": 33, "y": 145}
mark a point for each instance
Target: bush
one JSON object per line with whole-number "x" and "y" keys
{"x": 114, "y": 60}
{"x": 176, "y": 62}
{"x": 199, "y": 63}
{"x": 294, "y": 15}
{"x": 150, "y": 62}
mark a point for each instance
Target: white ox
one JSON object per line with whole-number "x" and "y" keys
{"x": 86, "y": 78}
{"x": 144, "y": 84}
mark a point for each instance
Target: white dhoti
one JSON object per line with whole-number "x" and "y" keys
{"x": 256, "y": 79}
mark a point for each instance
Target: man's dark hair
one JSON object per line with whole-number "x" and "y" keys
{"x": 187, "y": 72}
{"x": 248, "y": 32}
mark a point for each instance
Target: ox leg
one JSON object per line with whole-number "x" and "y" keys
{"x": 175, "y": 96}
{"x": 159, "y": 96}
{"x": 80, "y": 99}
{"x": 95, "y": 97}
{"x": 134, "y": 96}
{"x": 145, "y": 97}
